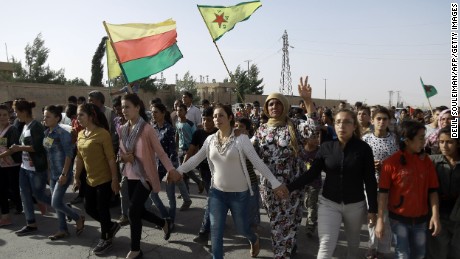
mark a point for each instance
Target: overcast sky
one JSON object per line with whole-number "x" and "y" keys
{"x": 363, "y": 48}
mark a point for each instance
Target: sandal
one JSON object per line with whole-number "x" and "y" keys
{"x": 59, "y": 235}
{"x": 80, "y": 230}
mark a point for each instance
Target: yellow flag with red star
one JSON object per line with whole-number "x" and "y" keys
{"x": 221, "y": 19}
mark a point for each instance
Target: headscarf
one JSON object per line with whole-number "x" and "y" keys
{"x": 283, "y": 119}
{"x": 432, "y": 140}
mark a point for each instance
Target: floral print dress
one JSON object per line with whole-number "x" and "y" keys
{"x": 272, "y": 144}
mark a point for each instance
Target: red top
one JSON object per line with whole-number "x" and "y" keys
{"x": 408, "y": 185}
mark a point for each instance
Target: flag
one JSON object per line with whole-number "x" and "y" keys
{"x": 429, "y": 89}
{"x": 144, "y": 49}
{"x": 113, "y": 67}
{"x": 221, "y": 19}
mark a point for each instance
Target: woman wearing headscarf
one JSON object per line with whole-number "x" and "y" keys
{"x": 431, "y": 142}
{"x": 279, "y": 144}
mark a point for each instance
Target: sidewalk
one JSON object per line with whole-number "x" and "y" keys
{"x": 180, "y": 245}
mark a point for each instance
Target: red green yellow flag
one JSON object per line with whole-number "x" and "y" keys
{"x": 221, "y": 19}
{"x": 113, "y": 67}
{"x": 144, "y": 49}
{"x": 429, "y": 89}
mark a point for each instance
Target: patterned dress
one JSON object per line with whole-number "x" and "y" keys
{"x": 272, "y": 144}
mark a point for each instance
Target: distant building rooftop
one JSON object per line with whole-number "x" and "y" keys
{"x": 6, "y": 66}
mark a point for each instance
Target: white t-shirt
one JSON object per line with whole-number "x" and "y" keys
{"x": 194, "y": 115}
{"x": 26, "y": 160}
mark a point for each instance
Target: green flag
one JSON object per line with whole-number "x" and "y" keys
{"x": 221, "y": 19}
{"x": 429, "y": 89}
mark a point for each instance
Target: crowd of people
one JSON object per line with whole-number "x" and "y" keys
{"x": 394, "y": 170}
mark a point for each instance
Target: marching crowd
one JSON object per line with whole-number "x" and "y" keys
{"x": 394, "y": 170}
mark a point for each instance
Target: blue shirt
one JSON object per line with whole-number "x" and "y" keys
{"x": 185, "y": 131}
{"x": 58, "y": 145}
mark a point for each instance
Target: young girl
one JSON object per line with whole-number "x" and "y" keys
{"x": 59, "y": 148}
{"x": 383, "y": 144}
{"x": 446, "y": 244}
{"x": 95, "y": 153}
{"x": 139, "y": 147}
{"x": 407, "y": 182}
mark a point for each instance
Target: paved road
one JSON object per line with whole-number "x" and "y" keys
{"x": 180, "y": 245}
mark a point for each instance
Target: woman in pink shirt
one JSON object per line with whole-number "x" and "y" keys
{"x": 139, "y": 146}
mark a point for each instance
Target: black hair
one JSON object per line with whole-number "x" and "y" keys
{"x": 71, "y": 110}
{"x": 183, "y": 106}
{"x": 156, "y": 100}
{"x": 163, "y": 109}
{"x": 81, "y": 99}
{"x": 365, "y": 108}
{"x": 208, "y": 112}
{"x": 189, "y": 94}
{"x": 256, "y": 104}
{"x": 205, "y": 101}
{"x": 4, "y": 107}
{"x": 248, "y": 124}
{"x": 23, "y": 105}
{"x": 116, "y": 101}
{"x": 409, "y": 130}
{"x": 381, "y": 109}
{"x": 358, "y": 104}
{"x": 97, "y": 95}
{"x": 55, "y": 110}
{"x": 136, "y": 101}
{"x": 228, "y": 110}
{"x": 72, "y": 99}
{"x": 95, "y": 113}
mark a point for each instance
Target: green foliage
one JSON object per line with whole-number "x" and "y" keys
{"x": 34, "y": 69}
{"x": 247, "y": 84}
{"x": 97, "y": 68}
{"x": 76, "y": 81}
{"x": 188, "y": 83}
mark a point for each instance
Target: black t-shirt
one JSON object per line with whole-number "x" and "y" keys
{"x": 198, "y": 138}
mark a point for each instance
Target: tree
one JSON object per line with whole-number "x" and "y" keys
{"x": 76, "y": 81}
{"x": 247, "y": 84}
{"x": 97, "y": 68}
{"x": 35, "y": 69}
{"x": 188, "y": 83}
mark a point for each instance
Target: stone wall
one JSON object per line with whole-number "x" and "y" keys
{"x": 47, "y": 94}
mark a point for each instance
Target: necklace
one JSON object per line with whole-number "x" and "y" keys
{"x": 222, "y": 144}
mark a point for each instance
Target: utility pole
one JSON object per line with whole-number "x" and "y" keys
{"x": 398, "y": 101}
{"x": 325, "y": 79}
{"x": 248, "y": 65}
{"x": 286, "y": 81}
{"x": 7, "y": 58}
{"x": 390, "y": 103}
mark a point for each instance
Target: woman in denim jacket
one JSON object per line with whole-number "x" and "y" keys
{"x": 59, "y": 148}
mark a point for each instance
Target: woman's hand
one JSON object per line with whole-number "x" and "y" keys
{"x": 62, "y": 179}
{"x": 14, "y": 148}
{"x": 371, "y": 219}
{"x": 435, "y": 225}
{"x": 379, "y": 230}
{"x": 76, "y": 184}
{"x": 173, "y": 176}
{"x": 281, "y": 192}
{"x": 305, "y": 89}
{"x": 115, "y": 186}
{"x": 127, "y": 157}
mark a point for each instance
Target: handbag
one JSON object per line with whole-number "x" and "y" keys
{"x": 455, "y": 214}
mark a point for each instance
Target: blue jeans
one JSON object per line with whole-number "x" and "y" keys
{"x": 410, "y": 239}
{"x": 32, "y": 183}
{"x": 219, "y": 203}
{"x": 254, "y": 207}
{"x": 57, "y": 202}
{"x": 170, "y": 192}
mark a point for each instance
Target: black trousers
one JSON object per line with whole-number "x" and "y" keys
{"x": 9, "y": 181}
{"x": 97, "y": 205}
{"x": 138, "y": 194}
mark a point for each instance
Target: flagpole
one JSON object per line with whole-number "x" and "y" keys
{"x": 228, "y": 71}
{"x": 431, "y": 109}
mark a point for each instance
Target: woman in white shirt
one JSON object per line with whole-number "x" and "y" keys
{"x": 230, "y": 183}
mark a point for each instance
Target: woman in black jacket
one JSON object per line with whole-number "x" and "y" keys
{"x": 349, "y": 166}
